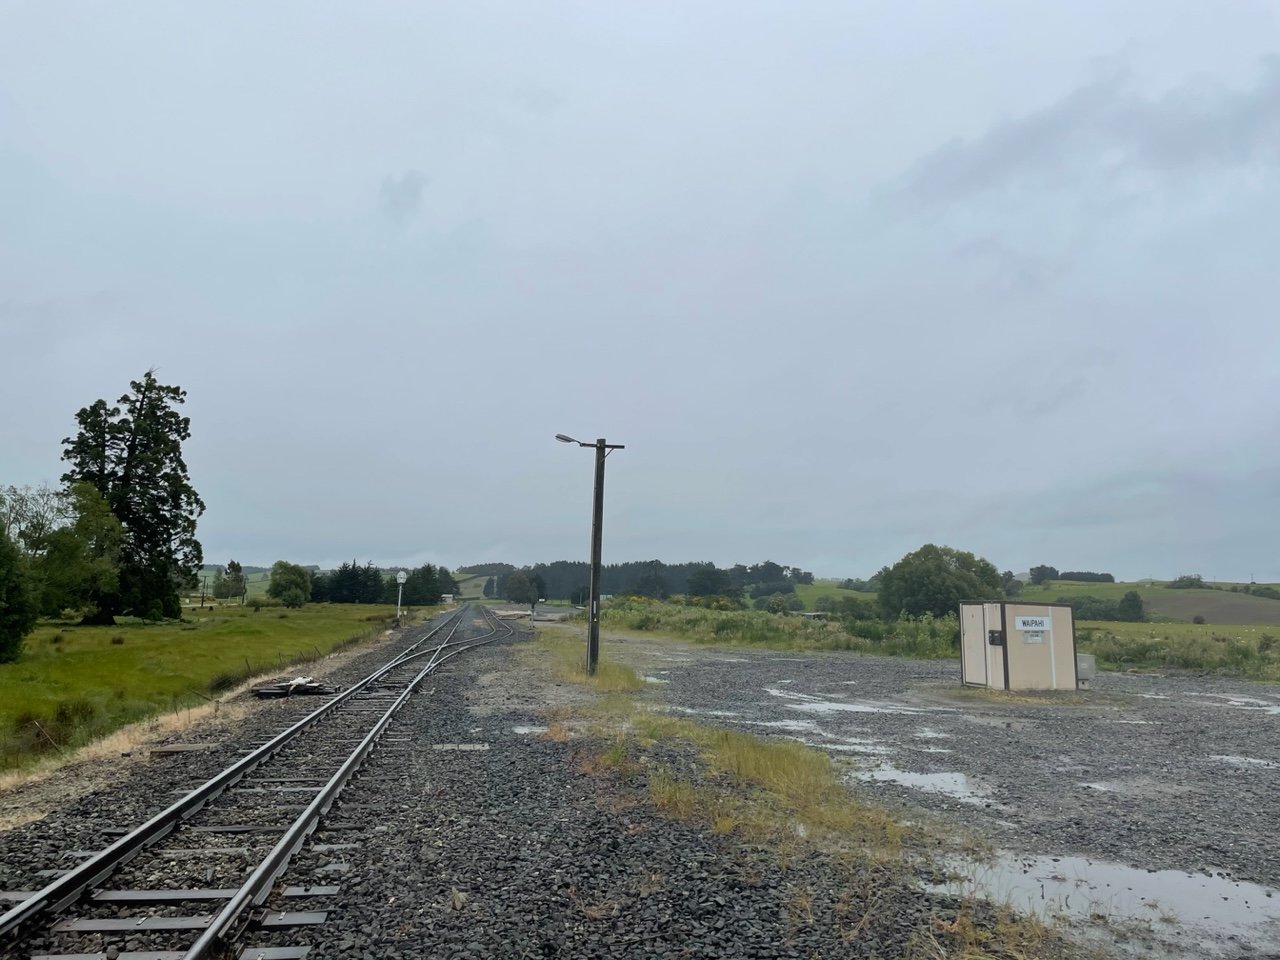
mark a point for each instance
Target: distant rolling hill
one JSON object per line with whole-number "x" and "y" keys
{"x": 1216, "y": 606}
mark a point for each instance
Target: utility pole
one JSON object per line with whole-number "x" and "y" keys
{"x": 603, "y": 449}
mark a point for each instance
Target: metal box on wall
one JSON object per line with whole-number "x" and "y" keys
{"x": 1015, "y": 645}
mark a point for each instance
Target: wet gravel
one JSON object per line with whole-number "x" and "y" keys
{"x": 1170, "y": 772}
{"x": 463, "y": 838}
{"x": 515, "y": 849}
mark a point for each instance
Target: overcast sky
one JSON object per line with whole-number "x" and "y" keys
{"x": 844, "y": 277}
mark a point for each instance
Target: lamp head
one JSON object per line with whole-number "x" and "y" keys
{"x": 565, "y": 439}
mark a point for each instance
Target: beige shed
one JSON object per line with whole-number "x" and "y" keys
{"x": 1010, "y": 645}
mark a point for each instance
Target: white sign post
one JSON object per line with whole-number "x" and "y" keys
{"x": 401, "y": 577}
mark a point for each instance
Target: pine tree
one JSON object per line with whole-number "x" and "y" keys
{"x": 132, "y": 453}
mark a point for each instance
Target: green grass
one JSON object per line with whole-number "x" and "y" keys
{"x": 1216, "y": 606}
{"x": 924, "y": 638}
{"x": 471, "y": 587}
{"x": 79, "y": 683}
{"x": 563, "y": 649}
{"x": 809, "y": 592}
{"x": 1240, "y": 651}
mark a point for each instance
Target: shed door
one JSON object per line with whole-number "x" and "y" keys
{"x": 973, "y": 644}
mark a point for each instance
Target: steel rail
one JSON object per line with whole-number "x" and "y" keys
{"x": 255, "y": 890}
{"x": 69, "y": 887}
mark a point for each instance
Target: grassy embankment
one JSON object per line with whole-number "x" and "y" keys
{"x": 925, "y": 638}
{"x": 776, "y": 793}
{"x": 75, "y": 684}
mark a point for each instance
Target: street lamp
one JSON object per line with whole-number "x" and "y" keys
{"x": 401, "y": 577}
{"x": 603, "y": 450}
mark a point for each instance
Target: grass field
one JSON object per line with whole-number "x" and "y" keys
{"x": 76, "y": 683}
{"x": 1245, "y": 651}
{"x": 1216, "y": 606}
{"x": 471, "y": 587}
{"x": 809, "y": 592}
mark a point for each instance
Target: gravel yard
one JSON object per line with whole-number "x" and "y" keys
{"x": 1174, "y": 774}
{"x": 472, "y": 834}
{"x": 476, "y": 835}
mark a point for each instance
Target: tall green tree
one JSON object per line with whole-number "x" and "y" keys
{"x": 17, "y": 600}
{"x": 422, "y": 586}
{"x": 935, "y": 580}
{"x": 81, "y": 563}
{"x": 520, "y": 588}
{"x": 132, "y": 454}
{"x": 290, "y": 583}
{"x": 229, "y": 582}
{"x": 1043, "y": 572}
{"x": 1131, "y": 608}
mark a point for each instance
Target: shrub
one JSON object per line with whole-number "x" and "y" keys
{"x": 117, "y": 640}
{"x": 1198, "y": 619}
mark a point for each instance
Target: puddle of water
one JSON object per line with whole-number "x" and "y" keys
{"x": 1142, "y": 722}
{"x": 1080, "y": 888}
{"x": 1003, "y": 723}
{"x": 784, "y": 681}
{"x": 1247, "y": 762}
{"x": 928, "y": 733}
{"x": 795, "y": 726}
{"x": 835, "y": 706}
{"x": 705, "y": 713}
{"x": 954, "y": 785}
{"x": 1252, "y": 704}
{"x": 790, "y": 694}
{"x": 856, "y": 745}
{"x": 810, "y": 704}
{"x": 528, "y": 729}
{"x": 655, "y": 679}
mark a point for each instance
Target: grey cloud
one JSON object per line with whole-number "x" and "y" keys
{"x": 400, "y": 198}
{"x": 1105, "y": 129}
{"x": 537, "y": 99}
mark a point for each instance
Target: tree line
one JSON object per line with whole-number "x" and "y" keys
{"x": 569, "y": 579}
{"x": 294, "y": 585}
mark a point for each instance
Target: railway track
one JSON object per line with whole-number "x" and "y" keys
{"x": 193, "y": 880}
